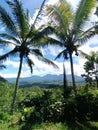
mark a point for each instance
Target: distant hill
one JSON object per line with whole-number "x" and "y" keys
{"x": 47, "y": 79}
{"x": 2, "y": 79}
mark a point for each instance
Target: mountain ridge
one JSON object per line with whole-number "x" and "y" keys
{"x": 45, "y": 79}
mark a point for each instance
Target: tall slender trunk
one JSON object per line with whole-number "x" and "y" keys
{"x": 72, "y": 71}
{"x": 64, "y": 80}
{"x": 97, "y": 81}
{"x": 16, "y": 86}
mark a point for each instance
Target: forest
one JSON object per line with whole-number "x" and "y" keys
{"x": 66, "y": 107}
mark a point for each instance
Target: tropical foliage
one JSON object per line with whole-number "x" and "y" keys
{"x": 69, "y": 27}
{"x": 91, "y": 67}
{"x": 51, "y": 108}
{"x": 23, "y": 35}
{"x": 36, "y": 106}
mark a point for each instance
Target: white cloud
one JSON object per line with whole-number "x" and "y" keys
{"x": 78, "y": 68}
{"x": 91, "y": 45}
{"x": 41, "y": 68}
{"x": 1, "y": 51}
{"x": 52, "y": 50}
{"x": 52, "y": 2}
{"x": 74, "y": 3}
{"x": 8, "y": 75}
{"x": 12, "y": 64}
{"x": 2, "y": 29}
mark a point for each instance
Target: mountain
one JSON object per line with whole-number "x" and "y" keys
{"x": 47, "y": 79}
{"x": 2, "y": 79}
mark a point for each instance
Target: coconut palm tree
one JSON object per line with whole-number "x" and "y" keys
{"x": 22, "y": 35}
{"x": 70, "y": 27}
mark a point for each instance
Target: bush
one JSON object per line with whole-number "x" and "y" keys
{"x": 53, "y": 108}
{"x": 43, "y": 108}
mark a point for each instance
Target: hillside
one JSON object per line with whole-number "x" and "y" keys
{"x": 47, "y": 79}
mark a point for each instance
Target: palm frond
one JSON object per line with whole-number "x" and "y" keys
{"x": 63, "y": 54}
{"x": 30, "y": 64}
{"x": 85, "y": 35}
{"x": 36, "y": 52}
{"x": 35, "y": 21}
{"x": 91, "y": 29}
{"x": 84, "y": 38}
{"x": 9, "y": 54}
{"x": 9, "y": 37}
{"x": 21, "y": 18}
{"x": 5, "y": 43}
{"x": 7, "y": 21}
{"x": 40, "y": 56}
{"x": 2, "y": 67}
{"x": 47, "y": 30}
{"x": 61, "y": 15}
{"x": 39, "y": 13}
{"x": 45, "y": 41}
{"x": 49, "y": 62}
{"x": 59, "y": 55}
{"x": 37, "y": 35}
{"x": 82, "y": 13}
{"x": 83, "y": 54}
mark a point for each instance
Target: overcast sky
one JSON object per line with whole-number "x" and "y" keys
{"x": 50, "y": 52}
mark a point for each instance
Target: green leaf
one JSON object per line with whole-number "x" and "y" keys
{"x": 83, "y": 13}
{"x": 30, "y": 63}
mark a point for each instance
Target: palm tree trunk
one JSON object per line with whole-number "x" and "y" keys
{"x": 72, "y": 71}
{"x": 64, "y": 80}
{"x": 97, "y": 81}
{"x": 16, "y": 86}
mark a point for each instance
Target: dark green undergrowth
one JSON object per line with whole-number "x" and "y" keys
{"x": 51, "y": 126}
{"x": 48, "y": 109}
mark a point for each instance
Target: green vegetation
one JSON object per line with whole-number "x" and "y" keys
{"x": 40, "y": 108}
{"x": 91, "y": 68}
{"x": 68, "y": 108}
{"x": 23, "y": 35}
{"x": 70, "y": 27}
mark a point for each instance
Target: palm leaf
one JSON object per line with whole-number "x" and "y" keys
{"x": 82, "y": 13}
{"x": 20, "y": 16}
{"x": 9, "y": 54}
{"x": 59, "y": 55}
{"x": 40, "y": 34}
{"x": 10, "y": 37}
{"x": 2, "y": 67}
{"x": 84, "y": 55}
{"x": 39, "y": 13}
{"x": 30, "y": 63}
{"x": 6, "y": 20}
{"x": 61, "y": 14}
{"x": 36, "y": 52}
{"x": 63, "y": 53}
{"x": 40, "y": 56}
{"x": 45, "y": 41}
{"x": 5, "y": 43}
{"x": 49, "y": 62}
{"x": 84, "y": 38}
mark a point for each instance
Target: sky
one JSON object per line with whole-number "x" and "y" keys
{"x": 50, "y": 52}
